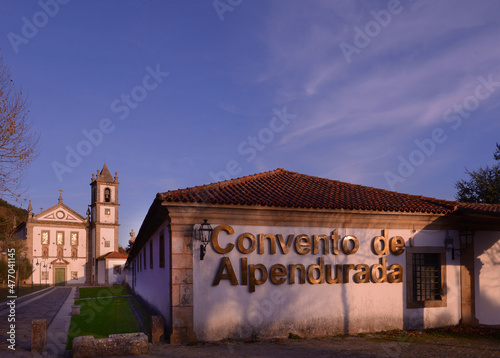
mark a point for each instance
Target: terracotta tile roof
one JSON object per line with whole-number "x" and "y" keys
{"x": 282, "y": 188}
{"x": 479, "y": 208}
{"x": 113, "y": 255}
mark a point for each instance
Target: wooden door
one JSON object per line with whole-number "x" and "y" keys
{"x": 60, "y": 276}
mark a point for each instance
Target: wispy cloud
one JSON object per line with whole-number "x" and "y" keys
{"x": 434, "y": 71}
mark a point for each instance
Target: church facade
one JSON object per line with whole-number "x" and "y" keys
{"x": 65, "y": 247}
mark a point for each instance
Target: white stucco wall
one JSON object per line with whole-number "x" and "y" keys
{"x": 107, "y": 219}
{"x": 112, "y": 277}
{"x": 107, "y": 234}
{"x": 154, "y": 285}
{"x": 487, "y": 270}
{"x": 101, "y": 271}
{"x": 312, "y": 309}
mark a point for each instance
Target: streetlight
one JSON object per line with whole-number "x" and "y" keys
{"x": 205, "y": 234}
{"x": 4, "y": 252}
{"x": 33, "y": 269}
{"x": 47, "y": 274}
{"x": 466, "y": 238}
{"x": 44, "y": 266}
{"x": 18, "y": 272}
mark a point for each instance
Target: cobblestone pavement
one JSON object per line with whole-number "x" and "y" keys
{"x": 369, "y": 346}
{"x": 43, "y": 305}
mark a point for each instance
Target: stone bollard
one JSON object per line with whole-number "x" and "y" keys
{"x": 39, "y": 335}
{"x": 157, "y": 328}
{"x": 75, "y": 309}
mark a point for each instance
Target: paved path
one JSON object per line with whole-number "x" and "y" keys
{"x": 347, "y": 347}
{"x": 44, "y": 305}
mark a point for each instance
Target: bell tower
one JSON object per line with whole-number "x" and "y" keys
{"x": 103, "y": 214}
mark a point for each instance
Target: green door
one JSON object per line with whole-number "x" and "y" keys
{"x": 60, "y": 275}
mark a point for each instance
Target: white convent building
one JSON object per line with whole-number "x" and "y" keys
{"x": 67, "y": 248}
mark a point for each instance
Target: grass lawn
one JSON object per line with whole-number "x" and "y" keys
{"x": 95, "y": 292}
{"x": 102, "y": 317}
{"x": 23, "y": 290}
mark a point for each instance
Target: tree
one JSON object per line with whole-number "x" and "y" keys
{"x": 18, "y": 143}
{"x": 17, "y": 245}
{"x": 122, "y": 251}
{"x": 483, "y": 185}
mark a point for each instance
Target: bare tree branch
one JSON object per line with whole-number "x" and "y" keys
{"x": 18, "y": 142}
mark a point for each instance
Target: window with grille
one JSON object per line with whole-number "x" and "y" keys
{"x": 426, "y": 277}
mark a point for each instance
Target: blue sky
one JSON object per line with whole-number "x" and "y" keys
{"x": 399, "y": 95}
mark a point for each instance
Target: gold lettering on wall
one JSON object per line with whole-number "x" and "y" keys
{"x": 319, "y": 270}
{"x": 303, "y": 244}
{"x": 345, "y": 244}
{"x": 253, "y": 281}
{"x": 326, "y": 244}
{"x": 338, "y": 274}
{"x": 397, "y": 245}
{"x": 272, "y": 243}
{"x": 396, "y": 275}
{"x": 230, "y": 275}
{"x": 241, "y": 246}
{"x": 364, "y": 275}
{"x": 382, "y": 268}
{"x": 285, "y": 248}
{"x": 302, "y": 274}
{"x": 278, "y": 274}
{"x": 215, "y": 239}
{"x": 380, "y": 244}
{"x": 256, "y": 274}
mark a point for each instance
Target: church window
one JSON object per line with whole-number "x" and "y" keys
{"x": 162, "y": 249}
{"x": 45, "y": 252}
{"x": 107, "y": 195}
{"x": 107, "y": 243}
{"x": 60, "y": 252}
{"x": 74, "y": 275}
{"x": 60, "y": 238}
{"x": 45, "y": 237}
{"x": 107, "y": 211}
{"x": 74, "y": 253}
{"x": 45, "y": 275}
{"x": 74, "y": 239}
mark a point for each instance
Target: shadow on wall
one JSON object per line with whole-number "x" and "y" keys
{"x": 487, "y": 264}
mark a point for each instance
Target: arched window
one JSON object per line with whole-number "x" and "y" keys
{"x": 107, "y": 195}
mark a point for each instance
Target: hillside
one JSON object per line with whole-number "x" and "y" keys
{"x": 7, "y": 214}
